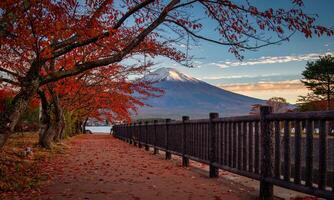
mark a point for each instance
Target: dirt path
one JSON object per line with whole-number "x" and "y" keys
{"x": 102, "y": 167}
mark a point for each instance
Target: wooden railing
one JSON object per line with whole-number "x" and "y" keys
{"x": 290, "y": 150}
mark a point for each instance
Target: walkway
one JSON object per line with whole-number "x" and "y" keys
{"x": 102, "y": 167}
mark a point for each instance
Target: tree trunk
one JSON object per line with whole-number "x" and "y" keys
{"x": 52, "y": 121}
{"x": 46, "y": 126}
{"x": 60, "y": 127}
{"x": 59, "y": 120}
{"x": 10, "y": 117}
{"x": 51, "y": 130}
{"x": 78, "y": 128}
{"x": 84, "y": 125}
{"x": 48, "y": 135}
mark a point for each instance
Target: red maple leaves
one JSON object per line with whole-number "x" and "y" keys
{"x": 70, "y": 44}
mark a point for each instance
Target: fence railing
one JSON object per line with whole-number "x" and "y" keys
{"x": 290, "y": 150}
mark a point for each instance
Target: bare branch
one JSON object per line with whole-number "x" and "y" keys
{"x": 132, "y": 11}
{"x": 199, "y": 36}
{"x": 185, "y": 4}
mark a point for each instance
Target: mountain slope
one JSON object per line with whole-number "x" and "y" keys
{"x": 185, "y": 95}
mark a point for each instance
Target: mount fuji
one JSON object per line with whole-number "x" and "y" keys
{"x": 185, "y": 95}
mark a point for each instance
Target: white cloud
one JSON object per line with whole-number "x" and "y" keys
{"x": 288, "y": 89}
{"x": 197, "y": 62}
{"x": 289, "y": 84}
{"x": 272, "y": 60}
{"x": 237, "y": 76}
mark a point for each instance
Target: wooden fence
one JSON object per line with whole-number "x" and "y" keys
{"x": 256, "y": 146}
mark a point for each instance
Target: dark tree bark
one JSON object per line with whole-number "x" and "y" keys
{"x": 59, "y": 120}
{"x": 52, "y": 120}
{"x": 78, "y": 127}
{"x": 84, "y": 125}
{"x": 10, "y": 117}
{"x": 60, "y": 127}
{"x": 46, "y": 130}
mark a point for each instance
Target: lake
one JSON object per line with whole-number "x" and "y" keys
{"x": 99, "y": 129}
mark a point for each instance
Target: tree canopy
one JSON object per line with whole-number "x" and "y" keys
{"x": 278, "y": 104}
{"x": 319, "y": 78}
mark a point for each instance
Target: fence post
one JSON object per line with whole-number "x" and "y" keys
{"x": 266, "y": 189}
{"x": 124, "y": 133}
{"x": 168, "y": 154}
{"x": 155, "y": 151}
{"x": 147, "y": 148}
{"x": 121, "y": 132}
{"x": 212, "y": 145}
{"x": 127, "y": 132}
{"x": 134, "y": 134}
{"x": 131, "y": 132}
{"x": 185, "y": 160}
{"x": 139, "y": 135}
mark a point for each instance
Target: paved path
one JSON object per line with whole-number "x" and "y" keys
{"x": 102, "y": 167}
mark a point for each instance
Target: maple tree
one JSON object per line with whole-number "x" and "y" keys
{"x": 101, "y": 94}
{"x": 44, "y": 41}
{"x": 94, "y": 94}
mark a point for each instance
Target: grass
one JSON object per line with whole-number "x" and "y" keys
{"x": 19, "y": 170}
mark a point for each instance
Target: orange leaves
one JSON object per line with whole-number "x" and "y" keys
{"x": 6, "y": 93}
{"x": 87, "y": 40}
{"x": 253, "y": 10}
{"x": 190, "y": 24}
{"x": 47, "y": 27}
{"x": 105, "y": 92}
{"x": 139, "y": 20}
{"x": 5, "y": 96}
{"x": 298, "y": 2}
{"x": 46, "y": 53}
{"x": 268, "y": 13}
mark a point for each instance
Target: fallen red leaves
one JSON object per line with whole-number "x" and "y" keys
{"x": 20, "y": 170}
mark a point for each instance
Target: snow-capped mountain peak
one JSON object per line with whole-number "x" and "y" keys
{"x": 185, "y": 95}
{"x": 169, "y": 74}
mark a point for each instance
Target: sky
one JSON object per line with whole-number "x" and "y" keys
{"x": 270, "y": 71}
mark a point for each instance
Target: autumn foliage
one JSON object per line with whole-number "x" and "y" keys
{"x": 5, "y": 97}
{"x": 21, "y": 171}
{"x": 79, "y": 55}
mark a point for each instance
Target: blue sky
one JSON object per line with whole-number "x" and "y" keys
{"x": 276, "y": 63}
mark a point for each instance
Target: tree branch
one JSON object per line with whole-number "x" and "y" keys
{"x": 199, "y": 36}
{"x": 184, "y": 4}
{"x": 10, "y": 72}
{"x": 132, "y": 11}
{"x": 69, "y": 48}
{"x": 117, "y": 57}
{"x": 9, "y": 81}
